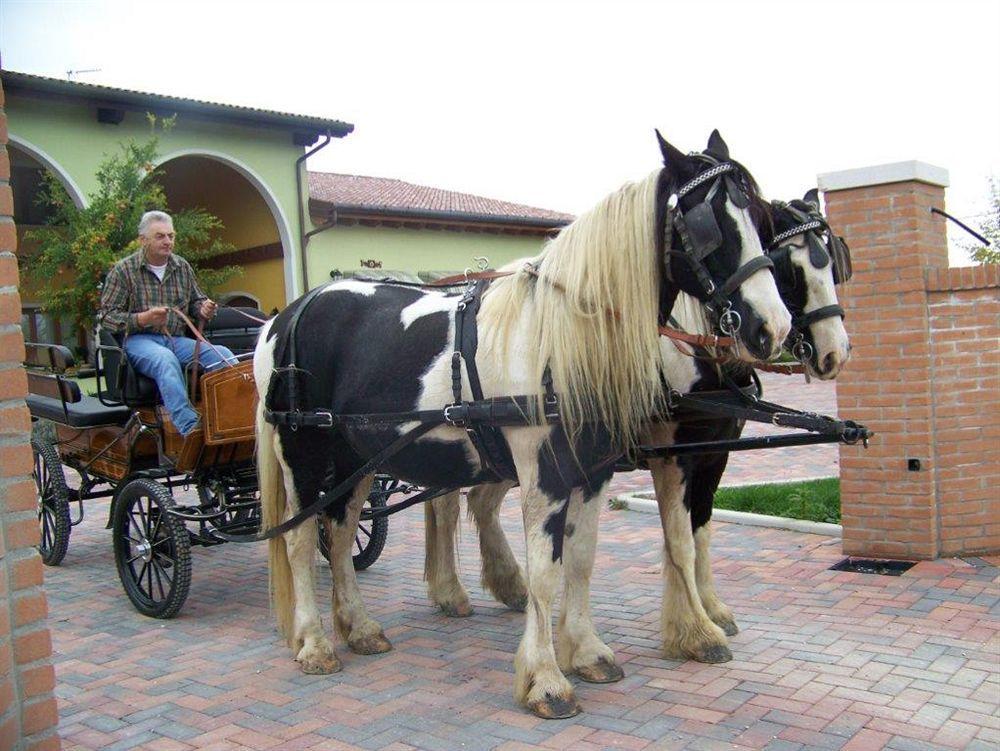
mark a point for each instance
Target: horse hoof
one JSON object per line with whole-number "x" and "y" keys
{"x": 603, "y": 671}
{"x": 520, "y": 604}
{"x": 555, "y": 707}
{"x": 375, "y": 644}
{"x": 729, "y": 627}
{"x": 457, "y": 610}
{"x": 714, "y": 654}
{"x": 320, "y": 665}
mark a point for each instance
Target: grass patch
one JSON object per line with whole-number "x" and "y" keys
{"x": 813, "y": 500}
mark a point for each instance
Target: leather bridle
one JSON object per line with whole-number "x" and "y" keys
{"x": 824, "y": 248}
{"x": 701, "y": 236}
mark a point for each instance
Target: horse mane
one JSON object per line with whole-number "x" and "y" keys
{"x": 591, "y": 314}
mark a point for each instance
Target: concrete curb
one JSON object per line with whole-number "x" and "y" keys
{"x": 648, "y": 506}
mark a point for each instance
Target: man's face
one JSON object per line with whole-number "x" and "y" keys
{"x": 158, "y": 242}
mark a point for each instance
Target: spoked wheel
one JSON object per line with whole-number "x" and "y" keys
{"x": 152, "y": 549}
{"x": 53, "y": 502}
{"x": 371, "y": 535}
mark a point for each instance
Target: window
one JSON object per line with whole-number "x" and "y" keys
{"x": 42, "y": 328}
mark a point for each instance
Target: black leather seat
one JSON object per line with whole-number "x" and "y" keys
{"x": 86, "y": 413}
{"x": 231, "y": 328}
{"x": 121, "y": 382}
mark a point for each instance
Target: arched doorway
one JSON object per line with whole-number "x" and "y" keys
{"x": 250, "y": 218}
{"x": 29, "y": 167}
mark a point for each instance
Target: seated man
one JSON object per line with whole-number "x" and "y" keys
{"x": 137, "y": 301}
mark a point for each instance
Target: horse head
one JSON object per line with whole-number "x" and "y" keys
{"x": 809, "y": 260}
{"x": 711, "y": 211}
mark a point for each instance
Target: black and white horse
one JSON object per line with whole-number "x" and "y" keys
{"x": 695, "y": 622}
{"x": 585, "y": 311}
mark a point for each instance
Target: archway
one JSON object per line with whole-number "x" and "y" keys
{"x": 251, "y": 215}
{"x": 28, "y": 167}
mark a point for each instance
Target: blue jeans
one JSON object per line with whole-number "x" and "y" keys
{"x": 162, "y": 358}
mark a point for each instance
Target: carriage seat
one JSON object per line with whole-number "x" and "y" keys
{"x": 88, "y": 412}
{"x": 121, "y": 382}
{"x": 52, "y": 396}
{"x": 231, "y": 328}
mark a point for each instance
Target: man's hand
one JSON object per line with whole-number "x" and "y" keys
{"x": 155, "y": 318}
{"x": 208, "y": 309}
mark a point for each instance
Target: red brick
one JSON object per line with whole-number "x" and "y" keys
{"x": 13, "y": 383}
{"x": 31, "y": 646}
{"x": 38, "y": 716}
{"x": 29, "y": 608}
{"x": 38, "y": 680}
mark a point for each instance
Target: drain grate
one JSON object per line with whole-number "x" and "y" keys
{"x": 873, "y": 566}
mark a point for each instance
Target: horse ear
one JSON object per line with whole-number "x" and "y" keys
{"x": 672, "y": 157}
{"x": 717, "y": 147}
{"x": 812, "y": 198}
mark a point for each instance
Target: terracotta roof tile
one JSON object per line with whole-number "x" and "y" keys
{"x": 391, "y": 195}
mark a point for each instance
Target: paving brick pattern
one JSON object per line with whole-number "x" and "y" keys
{"x": 825, "y": 660}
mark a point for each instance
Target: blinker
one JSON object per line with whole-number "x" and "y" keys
{"x": 819, "y": 257}
{"x": 841, "y": 254}
{"x": 703, "y": 230}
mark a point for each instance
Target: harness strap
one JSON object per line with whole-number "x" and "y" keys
{"x": 805, "y": 320}
{"x": 329, "y": 497}
{"x": 744, "y": 272}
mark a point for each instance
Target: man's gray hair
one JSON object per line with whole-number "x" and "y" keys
{"x": 153, "y": 216}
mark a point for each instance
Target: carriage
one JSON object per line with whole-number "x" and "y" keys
{"x": 406, "y": 373}
{"x": 121, "y": 444}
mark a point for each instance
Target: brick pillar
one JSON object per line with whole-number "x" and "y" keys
{"x": 27, "y": 707}
{"x": 889, "y": 508}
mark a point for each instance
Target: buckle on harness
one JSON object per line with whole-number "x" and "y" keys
{"x": 329, "y": 418}
{"x": 456, "y": 421}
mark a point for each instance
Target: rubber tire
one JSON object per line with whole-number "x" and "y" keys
{"x": 52, "y": 502}
{"x": 377, "y": 529}
{"x": 171, "y": 548}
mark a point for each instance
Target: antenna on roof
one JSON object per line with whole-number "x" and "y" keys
{"x": 71, "y": 73}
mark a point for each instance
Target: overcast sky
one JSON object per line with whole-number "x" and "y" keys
{"x": 553, "y": 104}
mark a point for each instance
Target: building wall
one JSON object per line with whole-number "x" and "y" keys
{"x": 923, "y": 373}
{"x": 28, "y": 716}
{"x": 264, "y": 280}
{"x": 344, "y": 249}
{"x": 68, "y": 135}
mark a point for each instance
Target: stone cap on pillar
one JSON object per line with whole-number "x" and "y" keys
{"x": 881, "y": 174}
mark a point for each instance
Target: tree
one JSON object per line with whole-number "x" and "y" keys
{"x": 77, "y": 247}
{"x": 989, "y": 228}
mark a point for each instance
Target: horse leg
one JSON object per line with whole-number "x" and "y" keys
{"x": 578, "y": 648}
{"x": 363, "y": 635}
{"x": 440, "y": 570}
{"x": 304, "y": 630}
{"x": 718, "y": 611}
{"x": 538, "y": 683}
{"x": 702, "y": 496}
{"x": 688, "y": 632}
{"x": 501, "y": 573}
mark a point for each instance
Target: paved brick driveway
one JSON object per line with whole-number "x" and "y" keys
{"x": 825, "y": 660}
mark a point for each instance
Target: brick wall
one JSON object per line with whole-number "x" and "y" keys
{"x": 964, "y": 312}
{"x": 925, "y": 342}
{"x": 27, "y": 706}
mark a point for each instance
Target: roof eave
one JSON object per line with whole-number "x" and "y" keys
{"x": 461, "y": 217}
{"x": 104, "y": 96}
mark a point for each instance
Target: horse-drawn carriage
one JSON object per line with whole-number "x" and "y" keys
{"x": 121, "y": 444}
{"x": 417, "y": 382}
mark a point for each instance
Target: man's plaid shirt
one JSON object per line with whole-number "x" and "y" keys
{"x": 131, "y": 287}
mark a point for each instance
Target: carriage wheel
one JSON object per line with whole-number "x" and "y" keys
{"x": 152, "y": 549}
{"x": 52, "y": 501}
{"x": 370, "y": 538}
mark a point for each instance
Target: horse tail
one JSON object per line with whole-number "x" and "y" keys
{"x": 273, "y": 502}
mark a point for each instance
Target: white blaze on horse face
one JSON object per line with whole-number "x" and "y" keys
{"x": 431, "y": 302}
{"x": 760, "y": 291}
{"x": 828, "y": 334}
